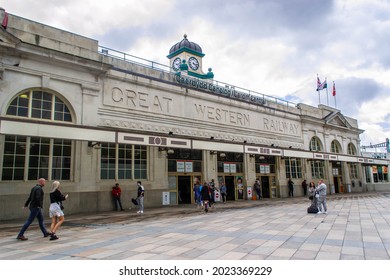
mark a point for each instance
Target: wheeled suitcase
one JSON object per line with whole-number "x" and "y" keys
{"x": 312, "y": 209}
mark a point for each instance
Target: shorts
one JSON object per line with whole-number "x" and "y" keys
{"x": 55, "y": 210}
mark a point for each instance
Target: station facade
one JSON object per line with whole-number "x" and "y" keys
{"x": 89, "y": 117}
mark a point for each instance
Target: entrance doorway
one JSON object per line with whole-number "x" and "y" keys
{"x": 230, "y": 188}
{"x": 265, "y": 186}
{"x": 336, "y": 184}
{"x": 184, "y": 189}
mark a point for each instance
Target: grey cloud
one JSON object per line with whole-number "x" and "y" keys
{"x": 352, "y": 92}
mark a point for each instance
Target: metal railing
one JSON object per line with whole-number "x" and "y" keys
{"x": 165, "y": 68}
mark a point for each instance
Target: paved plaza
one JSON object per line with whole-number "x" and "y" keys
{"x": 357, "y": 227}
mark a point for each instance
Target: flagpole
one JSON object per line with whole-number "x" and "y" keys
{"x": 334, "y": 94}
{"x": 318, "y": 83}
{"x": 327, "y": 97}
{"x": 319, "y": 98}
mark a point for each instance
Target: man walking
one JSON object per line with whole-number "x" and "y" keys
{"x": 257, "y": 188}
{"x": 140, "y": 197}
{"x": 290, "y": 188}
{"x": 35, "y": 203}
{"x": 321, "y": 201}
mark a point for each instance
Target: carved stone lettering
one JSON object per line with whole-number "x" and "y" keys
{"x": 212, "y": 113}
{"x": 280, "y": 126}
{"x": 127, "y": 98}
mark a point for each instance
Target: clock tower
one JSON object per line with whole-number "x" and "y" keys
{"x": 187, "y": 56}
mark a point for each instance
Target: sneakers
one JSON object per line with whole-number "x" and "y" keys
{"x": 138, "y": 211}
{"x": 46, "y": 234}
{"x": 142, "y": 212}
{"x": 53, "y": 237}
{"x": 22, "y": 238}
{"x": 319, "y": 212}
{"x": 326, "y": 212}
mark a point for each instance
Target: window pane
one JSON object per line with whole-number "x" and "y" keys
{"x": 61, "y": 159}
{"x": 61, "y": 112}
{"x": 107, "y": 163}
{"x": 14, "y": 157}
{"x": 19, "y": 106}
{"x": 39, "y": 159}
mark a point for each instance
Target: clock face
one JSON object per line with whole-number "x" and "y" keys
{"x": 176, "y": 64}
{"x": 193, "y": 63}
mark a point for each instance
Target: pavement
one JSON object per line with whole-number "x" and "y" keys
{"x": 356, "y": 227}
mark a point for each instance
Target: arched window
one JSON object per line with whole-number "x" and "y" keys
{"x": 335, "y": 147}
{"x": 351, "y": 149}
{"x": 38, "y": 104}
{"x": 315, "y": 144}
{"x": 31, "y": 158}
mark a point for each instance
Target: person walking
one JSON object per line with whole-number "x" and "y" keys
{"x": 223, "y": 192}
{"x": 35, "y": 204}
{"x": 56, "y": 212}
{"x": 321, "y": 189}
{"x": 304, "y": 187}
{"x": 290, "y": 188}
{"x": 140, "y": 197}
{"x": 198, "y": 200}
{"x": 116, "y": 194}
{"x": 205, "y": 194}
{"x": 212, "y": 193}
{"x": 257, "y": 188}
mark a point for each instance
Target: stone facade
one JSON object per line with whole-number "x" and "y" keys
{"x": 119, "y": 106}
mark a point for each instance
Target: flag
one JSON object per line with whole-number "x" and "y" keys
{"x": 318, "y": 83}
{"x": 5, "y": 20}
{"x": 321, "y": 86}
{"x": 334, "y": 89}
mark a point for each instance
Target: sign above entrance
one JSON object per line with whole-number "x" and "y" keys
{"x": 153, "y": 140}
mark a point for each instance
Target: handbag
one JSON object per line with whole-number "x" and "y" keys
{"x": 61, "y": 206}
{"x": 317, "y": 195}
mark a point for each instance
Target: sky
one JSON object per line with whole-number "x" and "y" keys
{"x": 274, "y": 47}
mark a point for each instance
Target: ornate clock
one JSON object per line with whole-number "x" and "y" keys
{"x": 193, "y": 63}
{"x": 176, "y": 64}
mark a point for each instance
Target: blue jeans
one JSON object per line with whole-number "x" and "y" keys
{"x": 34, "y": 213}
{"x": 140, "y": 200}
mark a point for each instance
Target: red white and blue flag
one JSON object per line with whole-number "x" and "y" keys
{"x": 321, "y": 86}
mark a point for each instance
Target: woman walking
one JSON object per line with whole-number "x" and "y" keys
{"x": 55, "y": 211}
{"x": 205, "y": 194}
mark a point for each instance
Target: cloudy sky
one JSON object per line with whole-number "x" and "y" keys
{"x": 274, "y": 47}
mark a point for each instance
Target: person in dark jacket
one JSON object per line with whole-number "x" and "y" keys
{"x": 56, "y": 210}
{"x": 140, "y": 197}
{"x": 35, "y": 204}
{"x": 205, "y": 194}
{"x": 290, "y": 188}
{"x": 257, "y": 188}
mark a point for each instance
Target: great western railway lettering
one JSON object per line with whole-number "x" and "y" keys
{"x": 223, "y": 115}
{"x": 280, "y": 126}
{"x": 140, "y": 100}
